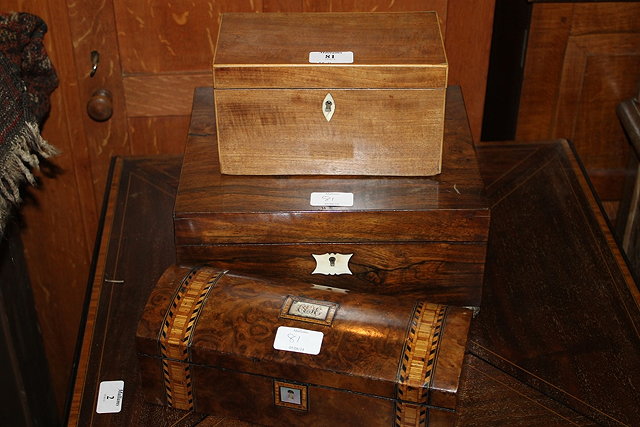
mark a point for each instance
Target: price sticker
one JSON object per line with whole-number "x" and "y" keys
{"x": 110, "y": 395}
{"x": 298, "y": 340}
{"x": 331, "y": 199}
{"x": 331, "y": 57}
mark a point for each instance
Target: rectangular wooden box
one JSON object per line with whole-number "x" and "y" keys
{"x": 386, "y": 106}
{"x": 409, "y": 236}
{"x": 207, "y": 342}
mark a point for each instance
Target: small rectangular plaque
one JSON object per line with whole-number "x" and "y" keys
{"x": 331, "y": 57}
{"x": 298, "y": 340}
{"x": 331, "y": 199}
{"x": 290, "y": 395}
{"x": 308, "y": 310}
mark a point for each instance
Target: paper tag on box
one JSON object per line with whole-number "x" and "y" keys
{"x": 110, "y": 396}
{"x": 298, "y": 340}
{"x": 331, "y": 57}
{"x": 331, "y": 199}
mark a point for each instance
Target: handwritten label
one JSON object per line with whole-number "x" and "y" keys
{"x": 331, "y": 199}
{"x": 110, "y": 395}
{"x": 331, "y": 57}
{"x": 298, "y": 340}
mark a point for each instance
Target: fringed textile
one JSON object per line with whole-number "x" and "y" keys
{"x": 27, "y": 79}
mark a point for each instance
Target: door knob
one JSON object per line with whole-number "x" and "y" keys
{"x": 100, "y": 105}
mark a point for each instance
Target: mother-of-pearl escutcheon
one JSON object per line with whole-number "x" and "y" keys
{"x": 332, "y": 264}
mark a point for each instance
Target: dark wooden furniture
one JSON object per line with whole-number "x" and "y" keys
{"x": 628, "y": 218}
{"x": 555, "y": 343}
{"x": 561, "y": 310}
{"x": 25, "y": 386}
{"x": 418, "y": 237}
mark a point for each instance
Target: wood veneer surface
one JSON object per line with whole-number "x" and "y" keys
{"x": 139, "y": 210}
{"x": 561, "y": 310}
{"x": 363, "y": 368}
{"x": 278, "y": 45}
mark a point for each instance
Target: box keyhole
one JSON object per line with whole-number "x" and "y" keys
{"x": 332, "y": 264}
{"x": 328, "y": 107}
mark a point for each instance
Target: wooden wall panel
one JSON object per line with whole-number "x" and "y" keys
{"x": 595, "y": 78}
{"x": 468, "y": 44}
{"x": 157, "y": 36}
{"x": 550, "y": 29}
{"x": 389, "y": 6}
{"x": 582, "y": 60}
{"x": 440, "y": 6}
{"x": 603, "y": 17}
{"x": 313, "y": 5}
{"x": 152, "y": 135}
{"x": 283, "y": 6}
{"x": 147, "y": 95}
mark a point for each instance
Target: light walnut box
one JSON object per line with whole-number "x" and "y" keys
{"x": 384, "y": 110}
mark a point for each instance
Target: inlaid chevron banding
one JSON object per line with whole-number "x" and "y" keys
{"x": 417, "y": 364}
{"x": 176, "y": 334}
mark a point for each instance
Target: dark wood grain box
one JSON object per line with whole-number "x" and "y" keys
{"x": 406, "y": 236}
{"x": 298, "y": 354}
{"x": 330, "y": 93}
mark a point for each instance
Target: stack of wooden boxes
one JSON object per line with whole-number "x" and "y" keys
{"x": 331, "y": 245}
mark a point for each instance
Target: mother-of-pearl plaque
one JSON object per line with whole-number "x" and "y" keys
{"x": 332, "y": 264}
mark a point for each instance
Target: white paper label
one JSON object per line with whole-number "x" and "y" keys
{"x": 331, "y": 199}
{"x": 110, "y": 396}
{"x": 298, "y": 340}
{"x": 331, "y": 57}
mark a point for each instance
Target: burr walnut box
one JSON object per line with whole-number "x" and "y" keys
{"x": 292, "y": 353}
{"x": 330, "y": 93}
{"x": 417, "y": 237}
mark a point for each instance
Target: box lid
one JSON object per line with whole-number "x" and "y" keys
{"x": 361, "y": 50}
{"x": 362, "y": 343}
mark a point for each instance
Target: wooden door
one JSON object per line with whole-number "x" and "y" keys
{"x": 153, "y": 54}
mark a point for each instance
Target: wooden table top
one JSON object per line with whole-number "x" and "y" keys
{"x": 556, "y": 341}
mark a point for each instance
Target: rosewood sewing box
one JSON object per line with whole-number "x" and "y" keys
{"x": 415, "y": 237}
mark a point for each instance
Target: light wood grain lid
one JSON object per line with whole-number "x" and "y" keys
{"x": 380, "y": 42}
